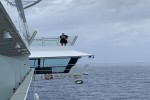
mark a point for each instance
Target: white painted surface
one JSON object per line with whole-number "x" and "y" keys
{"x": 23, "y": 64}
{"x": 48, "y": 54}
{"x": 15, "y": 21}
{"x": 22, "y": 91}
{"x": 13, "y": 68}
{"x": 12, "y": 73}
{"x": 7, "y": 78}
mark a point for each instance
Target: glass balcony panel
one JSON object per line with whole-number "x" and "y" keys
{"x": 45, "y": 42}
{"x": 57, "y": 65}
{"x": 56, "y": 62}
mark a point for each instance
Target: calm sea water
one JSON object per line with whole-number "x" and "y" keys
{"x": 104, "y": 82}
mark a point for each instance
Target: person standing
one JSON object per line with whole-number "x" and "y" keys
{"x": 63, "y": 39}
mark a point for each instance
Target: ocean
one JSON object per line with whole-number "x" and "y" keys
{"x": 129, "y": 81}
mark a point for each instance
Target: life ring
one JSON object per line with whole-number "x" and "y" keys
{"x": 78, "y": 81}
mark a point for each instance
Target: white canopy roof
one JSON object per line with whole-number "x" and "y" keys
{"x": 57, "y": 54}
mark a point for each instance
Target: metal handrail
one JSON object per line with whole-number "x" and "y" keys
{"x": 74, "y": 40}
{"x": 42, "y": 41}
{"x": 34, "y": 3}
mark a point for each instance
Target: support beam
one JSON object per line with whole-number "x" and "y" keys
{"x": 71, "y": 63}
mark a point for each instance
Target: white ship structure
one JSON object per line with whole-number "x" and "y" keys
{"x": 21, "y": 54}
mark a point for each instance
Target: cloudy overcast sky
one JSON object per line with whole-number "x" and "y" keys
{"x": 112, "y": 30}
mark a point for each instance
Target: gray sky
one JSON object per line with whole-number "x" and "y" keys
{"x": 112, "y": 30}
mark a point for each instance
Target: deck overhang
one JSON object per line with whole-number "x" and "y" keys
{"x": 57, "y": 54}
{"x": 11, "y": 43}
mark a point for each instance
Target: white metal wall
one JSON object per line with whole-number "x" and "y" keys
{"x": 12, "y": 72}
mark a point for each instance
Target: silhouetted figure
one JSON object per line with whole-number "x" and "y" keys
{"x": 63, "y": 39}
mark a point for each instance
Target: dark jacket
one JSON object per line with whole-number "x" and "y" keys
{"x": 63, "y": 38}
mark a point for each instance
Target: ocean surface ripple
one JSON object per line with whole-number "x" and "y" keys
{"x": 107, "y": 82}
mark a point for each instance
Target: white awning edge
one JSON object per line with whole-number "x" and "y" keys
{"x": 58, "y": 54}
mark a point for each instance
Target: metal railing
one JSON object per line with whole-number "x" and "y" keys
{"x": 42, "y": 41}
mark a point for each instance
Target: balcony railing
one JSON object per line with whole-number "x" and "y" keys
{"x": 43, "y": 42}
